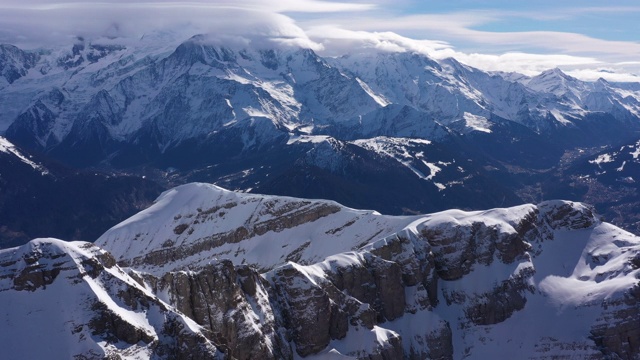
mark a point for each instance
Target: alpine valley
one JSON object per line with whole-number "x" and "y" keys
{"x": 125, "y": 150}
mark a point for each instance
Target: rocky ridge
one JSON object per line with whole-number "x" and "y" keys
{"x": 448, "y": 285}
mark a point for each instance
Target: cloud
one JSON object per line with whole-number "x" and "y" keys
{"x": 461, "y": 27}
{"x": 337, "y": 41}
{"x": 528, "y": 52}
{"x": 33, "y": 23}
{"x": 317, "y": 6}
{"x": 524, "y": 63}
{"x": 604, "y": 73}
{"x": 333, "y": 28}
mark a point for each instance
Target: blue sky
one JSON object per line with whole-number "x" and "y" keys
{"x": 584, "y": 38}
{"x": 612, "y": 20}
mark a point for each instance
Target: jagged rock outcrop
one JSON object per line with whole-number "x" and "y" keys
{"x": 617, "y": 330}
{"x": 15, "y": 63}
{"x": 89, "y": 307}
{"x": 233, "y": 303}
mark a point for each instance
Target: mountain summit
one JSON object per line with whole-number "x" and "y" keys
{"x": 207, "y": 273}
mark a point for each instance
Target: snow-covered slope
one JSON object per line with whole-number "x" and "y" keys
{"x": 160, "y": 92}
{"x": 71, "y": 300}
{"x": 533, "y": 281}
{"x": 125, "y": 92}
{"x": 194, "y": 224}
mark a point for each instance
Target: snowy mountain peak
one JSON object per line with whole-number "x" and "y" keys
{"x": 553, "y": 81}
{"x": 96, "y": 97}
{"x": 14, "y": 63}
{"x": 555, "y": 72}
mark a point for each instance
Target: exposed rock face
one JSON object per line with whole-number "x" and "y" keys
{"x": 90, "y": 308}
{"x": 501, "y": 302}
{"x": 233, "y": 303}
{"x": 617, "y": 330}
{"x": 313, "y": 318}
{"x": 459, "y": 248}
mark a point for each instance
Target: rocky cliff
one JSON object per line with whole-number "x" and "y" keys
{"x": 209, "y": 273}
{"x": 71, "y": 300}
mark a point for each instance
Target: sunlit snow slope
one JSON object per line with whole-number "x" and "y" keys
{"x": 533, "y": 281}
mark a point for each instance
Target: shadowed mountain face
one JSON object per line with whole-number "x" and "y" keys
{"x": 207, "y": 273}
{"x": 396, "y": 132}
{"x": 40, "y": 198}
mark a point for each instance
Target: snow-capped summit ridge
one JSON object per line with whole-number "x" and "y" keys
{"x": 197, "y": 216}
{"x": 241, "y": 226}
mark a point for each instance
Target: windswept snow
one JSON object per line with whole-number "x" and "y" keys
{"x": 378, "y": 98}
{"x": 200, "y": 213}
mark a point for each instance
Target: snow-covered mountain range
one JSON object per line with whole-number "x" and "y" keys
{"x": 369, "y": 129}
{"x": 206, "y": 273}
{"x": 172, "y": 93}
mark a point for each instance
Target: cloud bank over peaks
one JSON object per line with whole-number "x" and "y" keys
{"x": 37, "y": 23}
{"x": 337, "y": 41}
{"x": 331, "y": 28}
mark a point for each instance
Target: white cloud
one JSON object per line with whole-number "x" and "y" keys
{"x": 528, "y": 52}
{"x": 333, "y": 28}
{"x": 338, "y": 41}
{"x": 608, "y": 74}
{"x": 460, "y": 27}
{"x": 33, "y": 23}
